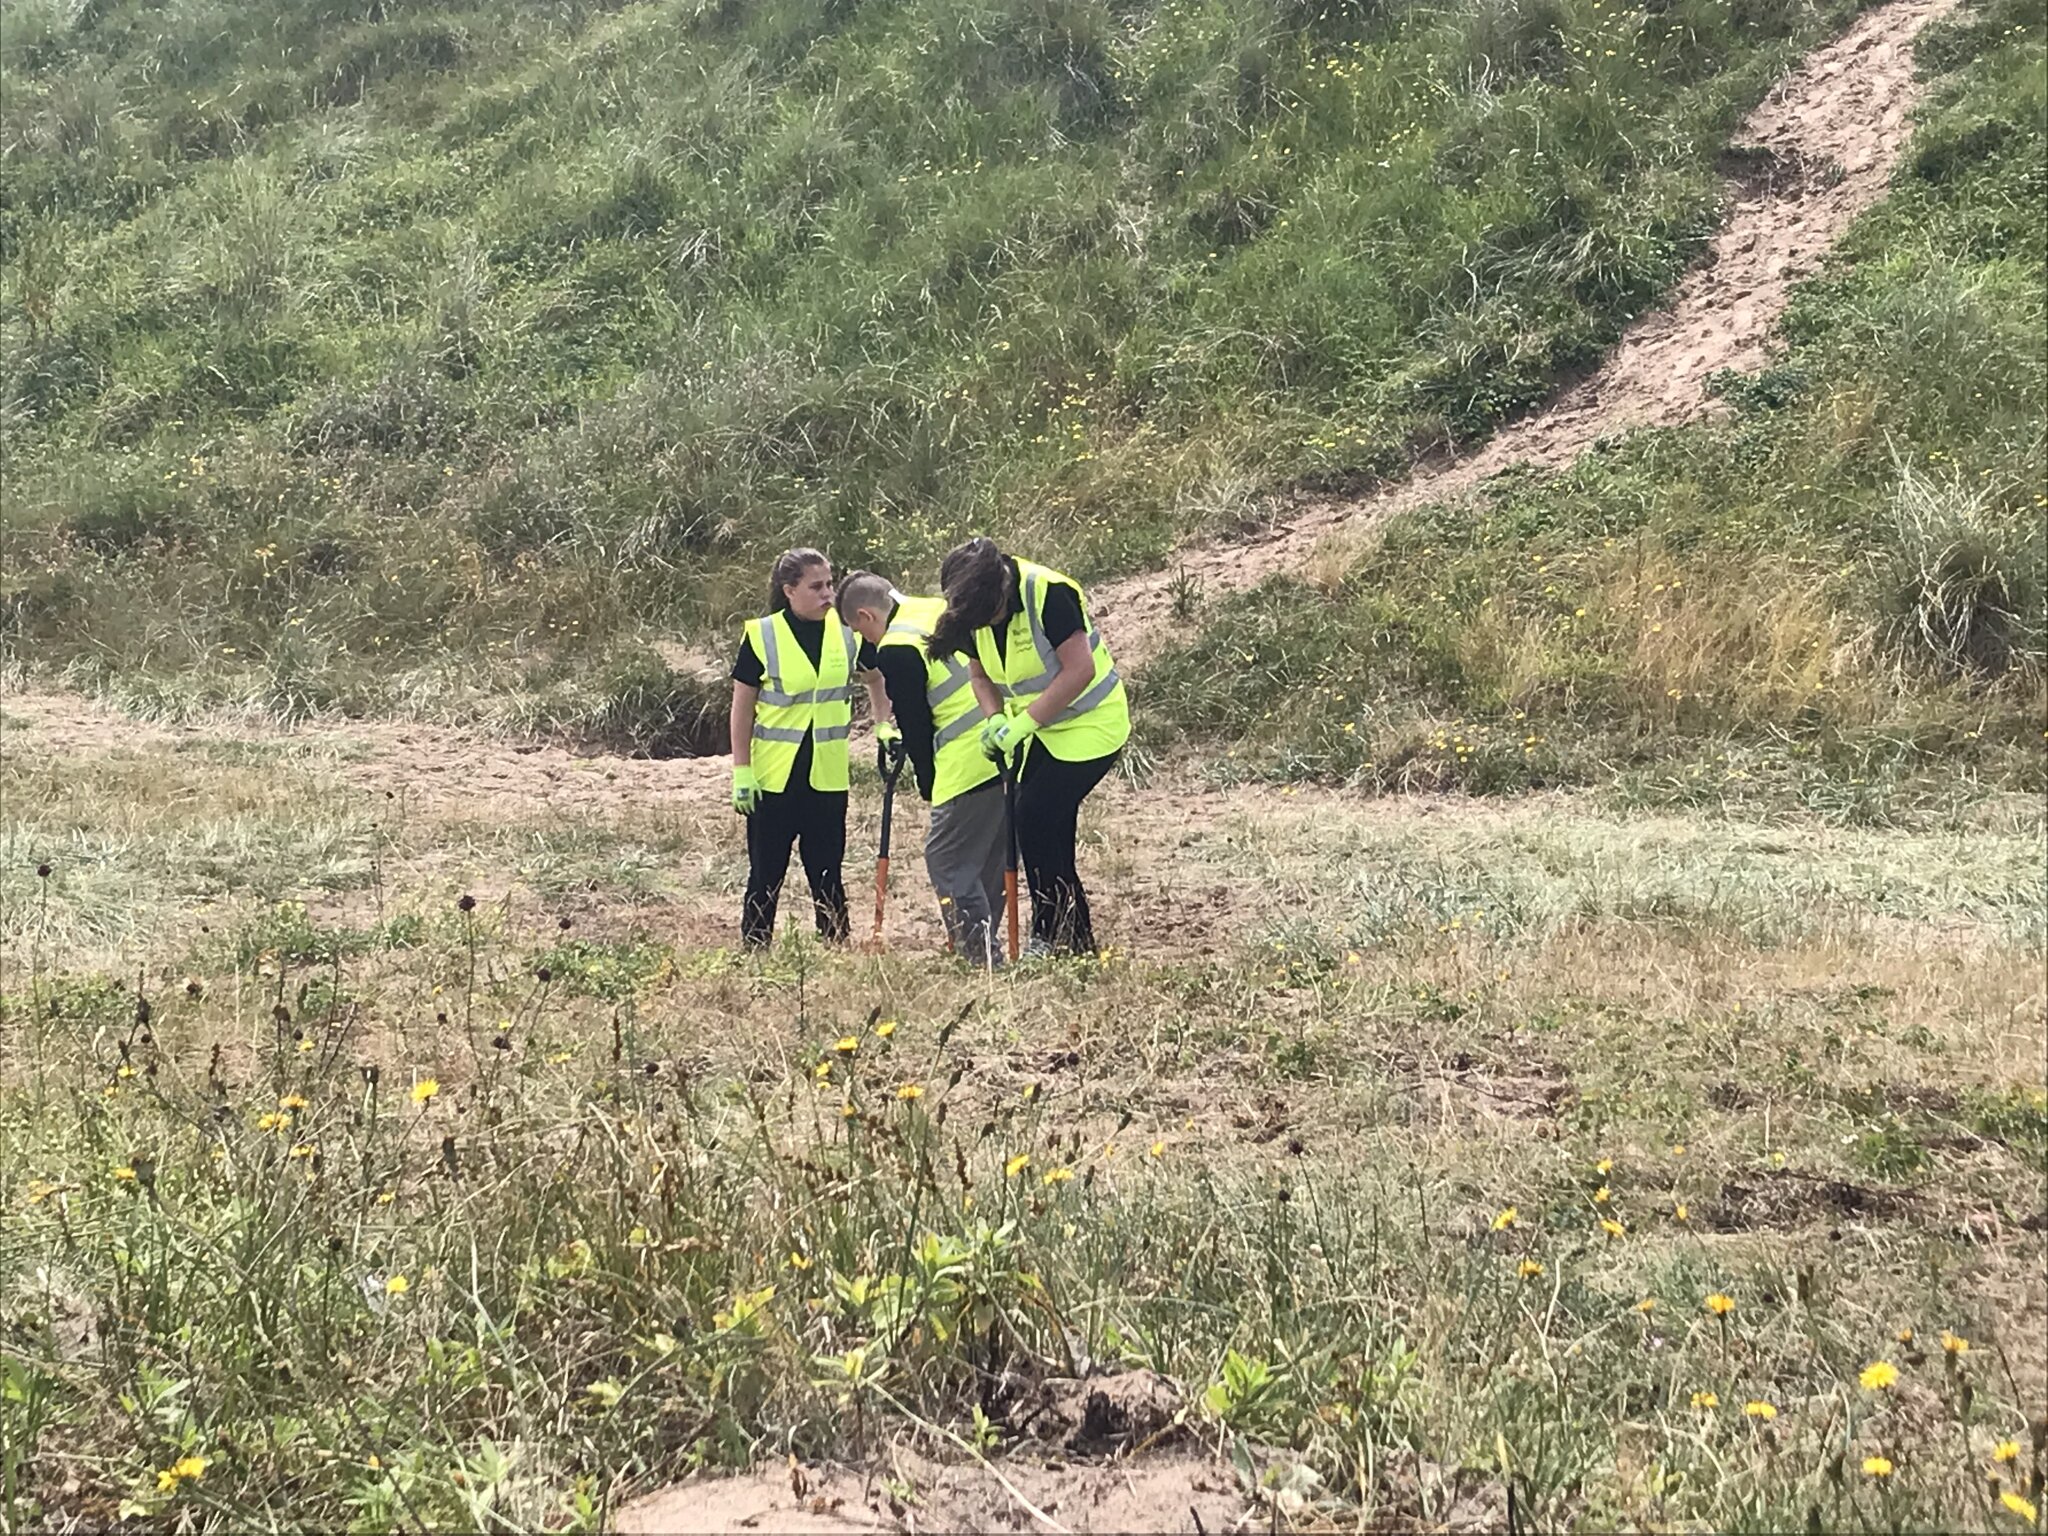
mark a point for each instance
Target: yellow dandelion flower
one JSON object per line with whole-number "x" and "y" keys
{"x": 2020, "y": 1507}
{"x": 125, "y": 1070}
{"x": 386, "y": 1196}
{"x": 1529, "y": 1269}
{"x": 292, "y": 1101}
{"x": 1604, "y": 1167}
{"x": 1612, "y": 1227}
{"x": 167, "y": 1481}
{"x": 1756, "y": 1408}
{"x": 847, "y": 1111}
{"x": 305, "y": 1044}
{"x": 303, "y": 1149}
{"x": 1678, "y": 1150}
{"x": 1016, "y": 1165}
{"x": 397, "y": 1285}
{"x": 1877, "y": 1466}
{"x": 1904, "y": 1335}
{"x": 1602, "y": 1195}
{"x": 1507, "y": 1218}
{"x": 1679, "y": 1212}
{"x": 797, "y": 1260}
{"x": 273, "y": 1120}
{"x": 1954, "y": 1343}
{"x": 885, "y": 1029}
{"x": 1059, "y": 1176}
{"x": 1719, "y": 1305}
{"x": 2007, "y": 1451}
{"x": 425, "y": 1089}
{"x": 192, "y": 1467}
{"x": 846, "y": 1045}
{"x": 1706, "y": 1400}
{"x": 910, "y": 1091}
{"x": 1878, "y": 1375}
{"x": 1647, "y": 1304}
{"x": 124, "y": 1174}
{"x": 1157, "y": 1149}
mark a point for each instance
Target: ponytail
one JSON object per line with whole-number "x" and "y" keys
{"x": 787, "y": 571}
{"x": 975, "y": 578}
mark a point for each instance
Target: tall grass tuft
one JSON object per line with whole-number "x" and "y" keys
{"x": 1965, "y": 582}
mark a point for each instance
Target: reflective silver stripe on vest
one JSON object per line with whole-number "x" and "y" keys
{"x": 1094, "y": 696}
{"x": 775, "y": 698}
{"x": 795, "y": 735}
{"x": 772, "y": 663}
{"x": 957, "y": 677}
{"x": 955, "y": 731}
{"x": 1050, "y": 661}
{"x": 815, "y": 696}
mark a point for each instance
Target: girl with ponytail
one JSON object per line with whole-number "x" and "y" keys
{"x": 792, "y": 712}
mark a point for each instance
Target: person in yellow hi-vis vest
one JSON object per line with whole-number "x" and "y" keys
{"x": 792, "y": 712}
{"x": 1056, "y": 709}
{"x": 926, "y": 709}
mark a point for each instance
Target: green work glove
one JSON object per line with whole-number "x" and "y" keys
{"x": 746, "y": 790}
{"x": 888, "y": 748}
{"x": 1004, "y": 735}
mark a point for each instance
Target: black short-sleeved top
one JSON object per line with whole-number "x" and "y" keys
{"x": 1062, "y": 616}
{"x": 748, "y": 668}
{"x": 906, "y": 679}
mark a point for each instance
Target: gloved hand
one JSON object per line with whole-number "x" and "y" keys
{"x": 746, "y": 790}
{"x": 1004, "y": 736}
{"x": 888, "y": 748}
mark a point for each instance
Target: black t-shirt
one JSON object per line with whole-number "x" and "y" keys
{"x": 748, "y": 668}
{"x": 1062, "y": 616}
{"x": 903, "y": 675}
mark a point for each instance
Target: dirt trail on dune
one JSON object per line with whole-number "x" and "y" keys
{"x": 1814, "y": 155}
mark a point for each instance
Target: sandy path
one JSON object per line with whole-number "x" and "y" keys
{"x": 1826, "y": 138}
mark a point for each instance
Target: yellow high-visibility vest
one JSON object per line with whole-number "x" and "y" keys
{"x": 798, "y": 697}
{"x": 1096, "y": 723}
{"x": 958, "y": 763}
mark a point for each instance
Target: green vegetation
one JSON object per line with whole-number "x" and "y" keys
{"x": 458, "y": 1218}
{"x": 1832, "y": 600}
{"x": 392, "y": 1136}
{"x": 369, "y": 355}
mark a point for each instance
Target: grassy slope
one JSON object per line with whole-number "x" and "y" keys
{"x": 1833, "y": 599}
{"x": 383, "y": 353}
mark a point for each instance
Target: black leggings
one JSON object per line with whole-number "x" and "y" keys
{"x": 1049, "y": 796}
{"x": 815, "y": 820}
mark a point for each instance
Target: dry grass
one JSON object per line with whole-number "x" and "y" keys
{"x": 1407, "y": 1014}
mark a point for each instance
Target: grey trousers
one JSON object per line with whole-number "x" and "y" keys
{"x": 963, "y": 853}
